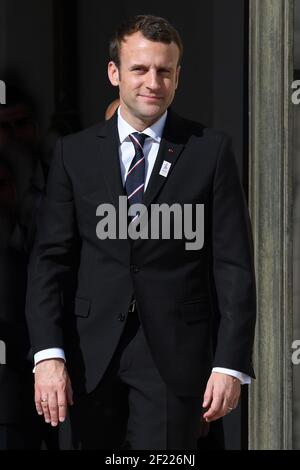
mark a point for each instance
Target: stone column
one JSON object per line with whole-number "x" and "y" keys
{"x": 270, "y": 161}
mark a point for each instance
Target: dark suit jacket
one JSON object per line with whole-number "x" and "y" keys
{"x": 180, "y": 293}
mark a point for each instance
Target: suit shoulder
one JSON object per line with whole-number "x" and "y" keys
{"x": 201, "y": 130}
{"x": 79, "y": 144}
{"x": 183, "y": 127}
{"x": 217, "y": 134}
{"x": 195, "y": 129}
{"x": 84, "y": 134}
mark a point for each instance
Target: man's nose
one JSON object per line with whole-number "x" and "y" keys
{"x": 153, "y": 82}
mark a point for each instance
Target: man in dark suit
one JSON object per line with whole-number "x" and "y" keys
{"x": 137, "y": 344}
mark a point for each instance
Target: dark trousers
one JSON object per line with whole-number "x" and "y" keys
{"x": 132, "y": 408}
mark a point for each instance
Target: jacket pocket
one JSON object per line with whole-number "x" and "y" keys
{"x": 82, "y": 307}
{"x": 195, "y": 311}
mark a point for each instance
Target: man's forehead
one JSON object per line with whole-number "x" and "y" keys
{"x": 137, "y": 42}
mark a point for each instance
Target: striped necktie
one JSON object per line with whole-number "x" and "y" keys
{"x": 135, "y": 179}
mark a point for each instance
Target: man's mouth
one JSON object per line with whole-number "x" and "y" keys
{"x": 151, "y": 97}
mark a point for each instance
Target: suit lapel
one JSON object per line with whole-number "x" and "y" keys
{"x": 110, "y": 161}
{"x": 169, "y": 151}
{"x": 170, "y": 148}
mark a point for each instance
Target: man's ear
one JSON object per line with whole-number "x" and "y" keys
{"x": 177, "y": 75}
{"x": 113, "y": 73}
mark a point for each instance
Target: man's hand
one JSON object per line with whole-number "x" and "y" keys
{"x": 221, "y": 395}
{"x": 53, "y": 390}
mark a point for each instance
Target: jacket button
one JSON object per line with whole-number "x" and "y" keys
{"x": 135, "y": 269}
{"x": 121, "y": 317}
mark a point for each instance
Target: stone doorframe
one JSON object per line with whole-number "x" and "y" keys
{"x": 270, "y": 201}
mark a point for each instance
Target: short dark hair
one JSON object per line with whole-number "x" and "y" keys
{"x": 152, "y": 27}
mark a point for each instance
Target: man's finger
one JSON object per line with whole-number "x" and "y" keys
{"x": 228, "y": 407}
{"x": 214, "y": 409}
{"x": 37, "y": 400}
{"x": 62, "y": 406}
{"x": 208, "y": 395}
{"x": 45, "y": 409}
{"x": 236, "y": 402}
{"x": 38, "y": 408}
{"x": 53, "y": 408}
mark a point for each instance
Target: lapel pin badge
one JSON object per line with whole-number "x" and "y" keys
{"x": 165, "y": 168}
{"x": 170, "y": 150}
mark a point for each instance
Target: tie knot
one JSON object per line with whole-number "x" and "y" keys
{"x": 138, "y": 139}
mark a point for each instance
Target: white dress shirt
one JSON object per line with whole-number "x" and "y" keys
{"x": 126, "y": 154}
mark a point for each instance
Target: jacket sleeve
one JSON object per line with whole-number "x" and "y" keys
{"x": 233, "y": 267}
{"x": 50, "y": 258}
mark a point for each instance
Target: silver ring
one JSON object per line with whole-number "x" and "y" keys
{"x": 229, "y": 409}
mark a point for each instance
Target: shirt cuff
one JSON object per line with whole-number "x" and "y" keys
{"x": 50, "y": 353}
{"x": 244, "y": 378}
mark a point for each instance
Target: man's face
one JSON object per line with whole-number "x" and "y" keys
{"x": 147, "y": 79}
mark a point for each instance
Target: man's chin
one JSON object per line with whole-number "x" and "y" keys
{"x": 151, "y": 113}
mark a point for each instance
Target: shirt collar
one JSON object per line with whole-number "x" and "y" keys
{"x": 155, "y": 131}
